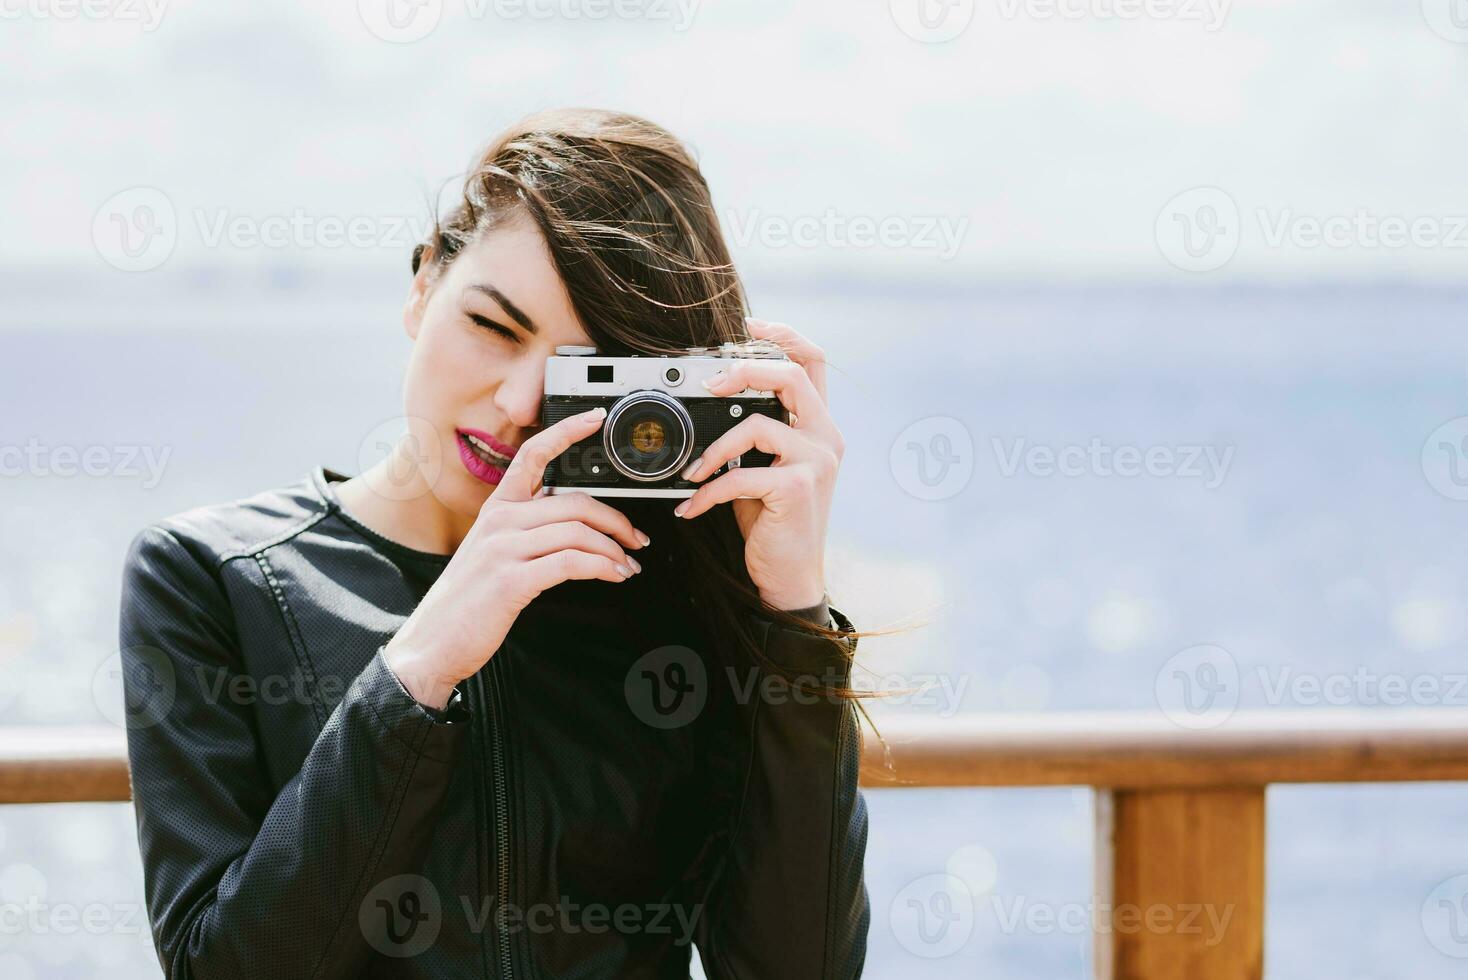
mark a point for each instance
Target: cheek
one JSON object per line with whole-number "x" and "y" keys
{"x": 448, "y": 368}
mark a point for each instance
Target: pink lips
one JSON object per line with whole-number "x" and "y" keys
{"x": 481, "y": 469}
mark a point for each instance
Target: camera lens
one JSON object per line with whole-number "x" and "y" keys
{"x": 648, "y": 436}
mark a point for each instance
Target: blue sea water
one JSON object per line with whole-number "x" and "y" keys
{"x": 1323, "y": 543}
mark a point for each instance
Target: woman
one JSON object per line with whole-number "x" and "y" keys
{"x": 430, "y": 721}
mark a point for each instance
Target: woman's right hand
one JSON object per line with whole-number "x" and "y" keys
{"x": 521, "y": 544}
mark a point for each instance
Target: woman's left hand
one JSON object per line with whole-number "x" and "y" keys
{"x": 781, "y": 509}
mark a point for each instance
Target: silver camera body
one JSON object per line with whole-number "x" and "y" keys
{"x": 660, "y": 417}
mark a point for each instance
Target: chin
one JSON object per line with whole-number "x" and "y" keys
{"x": 462, "y": 493}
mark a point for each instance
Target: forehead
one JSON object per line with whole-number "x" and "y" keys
{"x": 513, "y": 259}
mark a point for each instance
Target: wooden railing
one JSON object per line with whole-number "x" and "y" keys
{"x": 1180, "y": 813}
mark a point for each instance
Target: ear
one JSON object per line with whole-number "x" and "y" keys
{"x": 418, "y": 292}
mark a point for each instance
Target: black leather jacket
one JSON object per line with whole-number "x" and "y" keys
{"x": 595, "y": 800}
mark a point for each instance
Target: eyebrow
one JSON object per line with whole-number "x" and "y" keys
{"x": 515, "y": 312}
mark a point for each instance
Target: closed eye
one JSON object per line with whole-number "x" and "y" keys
{"x": 493, "y": 327}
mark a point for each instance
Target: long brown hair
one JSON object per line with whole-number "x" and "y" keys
{"x": 631, "y": 227}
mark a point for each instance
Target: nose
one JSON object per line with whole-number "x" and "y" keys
{"x": 520, "y": 393}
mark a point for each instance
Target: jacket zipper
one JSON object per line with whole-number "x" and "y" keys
{"x": 491, "y": 704}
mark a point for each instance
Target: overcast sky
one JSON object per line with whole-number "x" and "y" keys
{"x": 1043, "y": 139}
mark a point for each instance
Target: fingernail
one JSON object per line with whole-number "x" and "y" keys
{"x": 644, "y": 539}
{"x": 682, "y": 508}
{"x": 624, "y": 571}
{"x": 636, "y": 567}
{"x": 595, "y": 413}
{"x": 716, "y": 379}
{"x": 691, "y": 468}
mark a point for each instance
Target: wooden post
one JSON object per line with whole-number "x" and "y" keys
{"x": 1180, "y": 884}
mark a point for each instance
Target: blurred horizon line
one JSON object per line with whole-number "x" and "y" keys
{"x": 19, "y": 280}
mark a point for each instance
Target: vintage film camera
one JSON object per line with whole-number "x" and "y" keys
{"x": 659, "y": 417}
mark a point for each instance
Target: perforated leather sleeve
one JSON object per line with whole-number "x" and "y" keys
{"x": 241, "y": 880}
{"x": 791, "y": 899}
